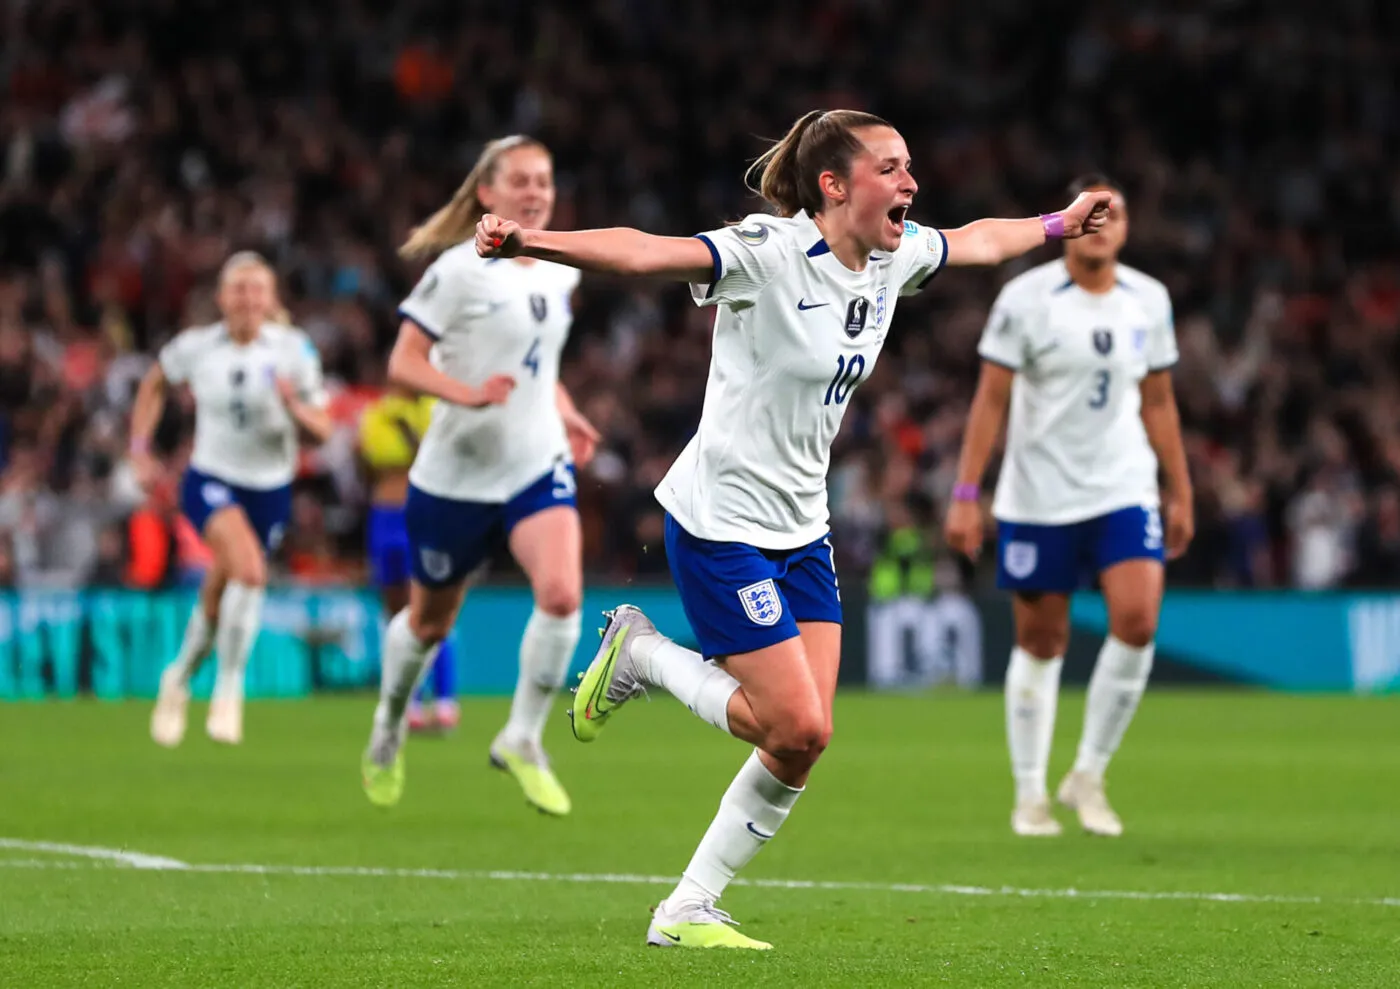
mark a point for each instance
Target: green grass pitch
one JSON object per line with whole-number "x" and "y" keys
{"x": 1293, "y": 803}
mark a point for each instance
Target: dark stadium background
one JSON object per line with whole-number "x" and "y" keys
{"x": 143, "y": 140}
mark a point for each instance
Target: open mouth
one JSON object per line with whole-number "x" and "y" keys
{"x": 897, "y": 215}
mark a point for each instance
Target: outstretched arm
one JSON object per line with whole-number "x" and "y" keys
{"x": 615, "y": 250}
{"x": 988, "y": 242}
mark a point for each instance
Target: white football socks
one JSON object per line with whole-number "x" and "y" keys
{"x": 195, "y": 646}
{"x": 405, "y": 660}
{"x": 546, "y": 650}
{"x": 1032, "y": 694}
{"x": 705, "y": 688}
{"x": 240, "y": 614}
{"x": 1116, "y": 687}
{"x": 751, "y": 811}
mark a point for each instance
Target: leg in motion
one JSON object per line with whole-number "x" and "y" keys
{"x": 793, "y": 724}
{"x": 1133, "y": 592}
{"x": 168, "y": 719}
{"x": 410, "y": 643}
{"x": 1032, "y": 695}
{"x": 240, "y": 616}
{"x": 549, "y": 547}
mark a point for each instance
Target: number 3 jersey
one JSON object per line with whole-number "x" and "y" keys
{"x": 487, "y": 317}
{"x": 796, "y": 333}
{"x": 1076, "y": 447}
{"x": 243, "y": 433}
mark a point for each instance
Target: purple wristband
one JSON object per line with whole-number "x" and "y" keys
{"x": 1053, "y": 224}
{"x": 966, "y": 492}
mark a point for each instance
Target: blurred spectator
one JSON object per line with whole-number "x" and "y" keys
{"x": 141, "y": 143}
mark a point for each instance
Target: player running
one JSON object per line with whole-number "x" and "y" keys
{"x": 256, "y": 383}
{"x": 391, "y": 428}
{"x": 494, "y": 466}
{"x": 1080, "y": 350}
{"x": 805, "y": 300}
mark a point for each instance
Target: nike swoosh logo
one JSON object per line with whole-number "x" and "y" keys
{"x": 594, "y": 707}
{"x": 674, "y": 937}
{"x": 803, "y": 307}
{"x": 757, "y": 833}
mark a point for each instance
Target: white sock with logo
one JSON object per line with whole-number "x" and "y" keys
{"x": 1032, "y": 694}
{"x": 240, "y": 614}
{"x": 751, "y": 811}
{"x": 1116, "y": 687}
{"x": 546, "y": 650}
{"x": 705, "y": 688}
{"x": 195, "y": 646}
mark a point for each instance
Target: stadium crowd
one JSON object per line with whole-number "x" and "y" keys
{"x": 142, "y": 141}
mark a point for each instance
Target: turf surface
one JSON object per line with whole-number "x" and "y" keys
{"x": 1281, "y": 798}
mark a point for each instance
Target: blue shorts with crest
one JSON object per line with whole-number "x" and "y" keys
{"x": 448, "y": 539}
{"x": 1065, "y": 558}
{"x": 739, "y": 598}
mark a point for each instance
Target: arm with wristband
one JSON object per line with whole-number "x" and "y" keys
{"x": 963, "y": 527}
{"x": 987, "y": 242}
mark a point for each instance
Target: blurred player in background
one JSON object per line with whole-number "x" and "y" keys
{"x": 495, "y": 464}
{"x": 805, "y": 300}
{"x": 1080, "y": 350}
{"x": 256, "y": 383}
{"x": 391, "y": 428}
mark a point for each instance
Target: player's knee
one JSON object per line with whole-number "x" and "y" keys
{"x": 249, "y": 569}
{"x": 1136, "y": 626}
{"x": 1043, "y": 641}
{"x": 801, "y": 736}
{"x": 429, "y": 629}
{"x": 560, "y": 598}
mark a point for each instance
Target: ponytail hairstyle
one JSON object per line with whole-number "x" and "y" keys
{"x": 787, "y": 174}
{"x": 456, "y": 222}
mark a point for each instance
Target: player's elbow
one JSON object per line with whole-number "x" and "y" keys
{"x": 400, "y": 370}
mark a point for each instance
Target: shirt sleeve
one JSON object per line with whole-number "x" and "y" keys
{"x": 1004, "y": 338}
{"x": 1161, "y": 338}
{"x": 746, "y": 257}
{"x": 311, "y": 382}
{"x": 924, "y": 252}
{"x": 434, "y": 302}
{"x": 177, "y": 358}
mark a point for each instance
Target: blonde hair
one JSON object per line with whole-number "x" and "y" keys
{"x": 787, "y": 174}
{"x": 252, "y": 259}
{"x": 454, "y": 223}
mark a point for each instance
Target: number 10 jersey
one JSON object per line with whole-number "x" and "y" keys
{"x": 796, "y": 332}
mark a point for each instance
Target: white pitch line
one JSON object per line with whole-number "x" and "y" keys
{"x": 102, "y": 856}
{"x": 137, "y": 860}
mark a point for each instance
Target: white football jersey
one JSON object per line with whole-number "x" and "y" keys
{"x": 493, "y": 316}
{"x": 243, "y": 433}
{"x": 1076, "y": 447}
{"x": 796, "y": 332}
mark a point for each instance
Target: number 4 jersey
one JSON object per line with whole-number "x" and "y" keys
{"x": 1075, "y": 443}
{"x": 487, "y": 317}
{"x": 243, "y": 433}
{"x": 796, "y": 332}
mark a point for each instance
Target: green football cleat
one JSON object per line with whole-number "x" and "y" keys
{"x": 383, "y": 784}
{"x": 698, "y": 925}
{"x": 612, "y": 679}
{"x": 543, "y": 791}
